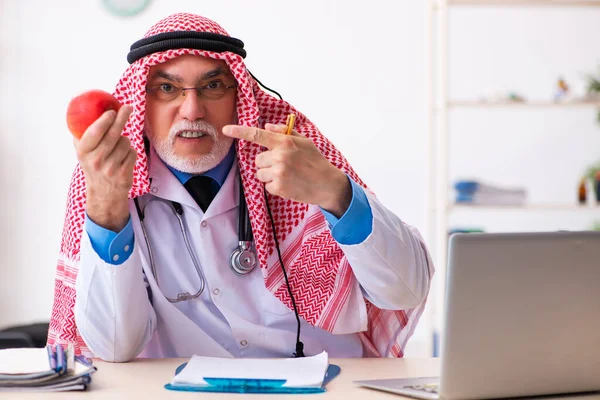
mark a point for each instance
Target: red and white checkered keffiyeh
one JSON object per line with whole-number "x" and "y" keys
{"x": 319, "y": 273}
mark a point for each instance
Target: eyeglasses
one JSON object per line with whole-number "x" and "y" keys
{"x": 213, "y": 90}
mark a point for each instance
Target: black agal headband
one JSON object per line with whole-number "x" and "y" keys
{"x": 185, "y": 40}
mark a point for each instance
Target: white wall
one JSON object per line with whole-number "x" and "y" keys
{"x": 357, "y": 72}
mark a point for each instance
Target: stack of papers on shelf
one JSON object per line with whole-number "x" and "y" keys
{"x": 287, "y": 375}
{"x": 474, "y": 192}
{"x": 49, "y": 369}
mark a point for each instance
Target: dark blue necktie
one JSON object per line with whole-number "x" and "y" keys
{"x": 203, "y": 189}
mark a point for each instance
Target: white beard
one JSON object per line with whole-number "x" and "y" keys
{"x": 191, "y": 165}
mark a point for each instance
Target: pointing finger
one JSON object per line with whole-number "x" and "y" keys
{"x": 252, "y": 134}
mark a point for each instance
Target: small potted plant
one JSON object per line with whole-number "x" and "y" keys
{"x": 593, "y": 89}
{"x": 593, "y": 174}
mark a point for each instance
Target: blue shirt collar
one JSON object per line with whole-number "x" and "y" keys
{"x": 218, "y": 173}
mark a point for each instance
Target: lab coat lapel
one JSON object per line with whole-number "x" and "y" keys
{"x": 228, "y": 196}
{"x": 166, "y": 186}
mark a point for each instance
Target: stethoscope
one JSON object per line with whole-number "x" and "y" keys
{"x": 242, "y": 261}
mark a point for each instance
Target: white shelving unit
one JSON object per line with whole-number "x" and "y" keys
{"x": 439, "y": 204}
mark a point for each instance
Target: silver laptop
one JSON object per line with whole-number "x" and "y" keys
{"x": 522, "y": 318}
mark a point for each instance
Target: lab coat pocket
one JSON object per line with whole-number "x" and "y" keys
{"x": 273, "y": 305}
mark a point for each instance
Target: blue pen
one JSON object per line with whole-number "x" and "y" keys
{"x": 84, "y": 360}
{"x": 61, "y": 361}
{"x": 51, "y": 357}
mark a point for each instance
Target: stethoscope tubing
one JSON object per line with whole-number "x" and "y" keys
{"x": 243, "y": 259}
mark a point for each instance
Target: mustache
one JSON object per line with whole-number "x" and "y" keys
{"x": 199, "y": 125}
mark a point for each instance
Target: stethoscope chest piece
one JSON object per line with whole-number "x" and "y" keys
{"x": 243, "y": 260}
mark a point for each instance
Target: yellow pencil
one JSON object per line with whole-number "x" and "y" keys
{"x": 291, "y": 120}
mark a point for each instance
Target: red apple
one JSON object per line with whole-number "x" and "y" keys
{"x": 88, "y": 107}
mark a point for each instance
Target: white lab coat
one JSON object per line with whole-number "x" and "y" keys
{"x": 236, "y": 316}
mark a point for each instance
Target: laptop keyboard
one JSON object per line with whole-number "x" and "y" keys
{"x": 428, "y": 387}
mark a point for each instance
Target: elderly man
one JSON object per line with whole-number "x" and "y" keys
{"x": 194, "y": 183}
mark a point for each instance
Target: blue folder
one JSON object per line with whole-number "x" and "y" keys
{"x": 274, "y": 386}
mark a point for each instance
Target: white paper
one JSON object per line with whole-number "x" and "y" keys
{"x": 305, "y": 372}
{"x": 24, "y": 361}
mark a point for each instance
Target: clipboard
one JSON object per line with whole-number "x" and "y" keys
{"x": 265, "y": 386}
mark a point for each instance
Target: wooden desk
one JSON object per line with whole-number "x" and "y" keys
{"x": 145, "y": 378}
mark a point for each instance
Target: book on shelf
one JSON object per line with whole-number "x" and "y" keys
{"x": 478, "y": 193}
